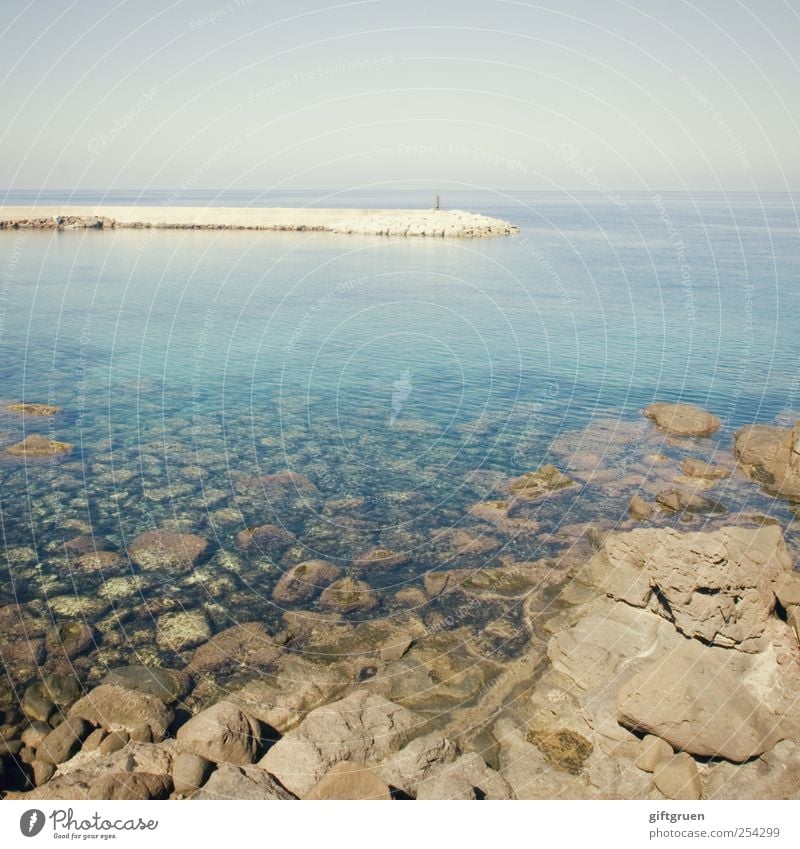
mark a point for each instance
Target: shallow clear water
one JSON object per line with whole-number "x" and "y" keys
{"x": 386, "y": 370}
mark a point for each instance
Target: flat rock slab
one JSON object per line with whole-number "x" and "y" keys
{"x": 697, "y": 698}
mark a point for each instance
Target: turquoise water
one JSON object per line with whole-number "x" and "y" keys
{"x": 405, "y": 376}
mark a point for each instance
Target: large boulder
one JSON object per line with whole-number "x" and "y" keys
{"x": 222, "y": 734}
{"x": 703, "y": 700}
{"x": 682, "y": 419}
{"x": 120, "y": 709}
{"x": 715, "y": 586}
{"x": 771, "y": 456}
{"x": 362, "y": 727}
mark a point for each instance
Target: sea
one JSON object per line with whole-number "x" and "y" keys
{"x": 363, "y": 392}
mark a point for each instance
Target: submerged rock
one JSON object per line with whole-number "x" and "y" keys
{"x": 27, "y": 409}
{"x": 267, "y": 539}
{"x": 682, "y": 419}
{"x": 538, "y": 484}
{"x": 639, "y": 508}
{"x": 304, "y": 581}
{"x": 180, "y": 631}
{"x": 247, "y": 645}
{"x": 160, "y": 549}
{"x": 37, "y": 446}
{"x": 379, "y": 558}
{"x": 681, "y": 501}
{"x": 699, "y": 469}
{"x": 348, "y": 595}
{"x": 168, "y": 685}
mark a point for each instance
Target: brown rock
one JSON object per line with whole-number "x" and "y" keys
{"x": 349, "y": 780}
{"x": 267, "y": 539}
{"x": 697, "y": 699}
{"x": 682, "y": 501}
{"x": 304, "y": 581}
{"x": 361, "y": 727}
{"x": 33, "y": 409}
{"x": 639, "y": 508}
{"x": 379, "y": 558}
{"x": 36, "y": 446}
{"x": 699, "y": 469}
{"x": 130, "y": 786}
{"x": 61, "y": 743}
{"x": 787, "y": 589}
{"x": 771, "y": 456}
{"x": 43, "y": 771}
{"x": 652, "y": 752}
{"x": 114, "y": 742}
{"x": 189, "y": 772}
{"x": 249, "y": 645}
{"x": 716, "y": 586}
{"x": 119, "y": 709}
{"x": 222, "y": 734}
{"x": 160, "y": 549}
{"x": 95, "y": 738}
{"x": 682, "y": 419}
{"x": 241, "y": 783}
{"x": 677, "y": 777}
{"x": 347, "y": 595}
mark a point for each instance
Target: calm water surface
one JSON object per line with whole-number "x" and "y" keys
{"x": 405, "y": 378}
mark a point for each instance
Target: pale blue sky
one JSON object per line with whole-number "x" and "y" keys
{"x": 578, "y": 94}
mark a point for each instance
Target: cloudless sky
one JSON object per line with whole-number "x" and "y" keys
{"x": 582, "y": 94}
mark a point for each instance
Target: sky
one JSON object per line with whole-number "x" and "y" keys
{"x": 596, "y": 95}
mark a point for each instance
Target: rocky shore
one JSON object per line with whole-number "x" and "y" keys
{"x": 364, "y": 222}
{"x": 656, "y": 657}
